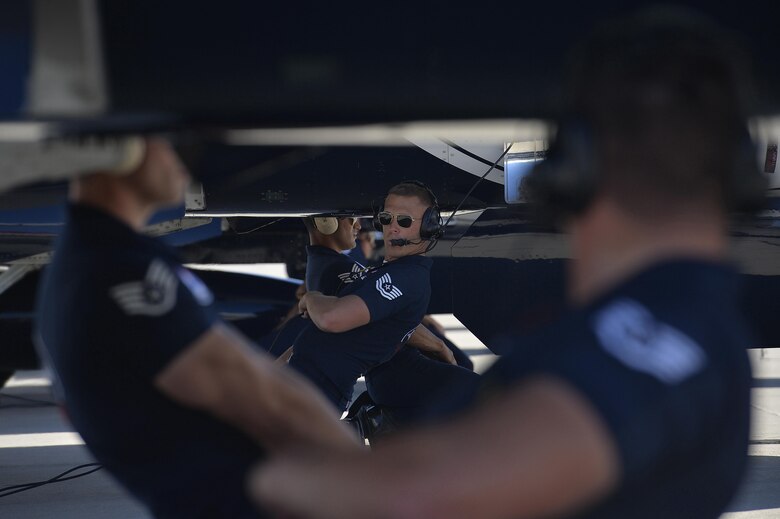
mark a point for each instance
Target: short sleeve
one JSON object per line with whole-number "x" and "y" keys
{"x": 392, "y": 290}
{"x": 156, "y": 312}
{"x": 653, "y": 407}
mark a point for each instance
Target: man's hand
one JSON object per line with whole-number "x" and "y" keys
{"x": 425, "y": 341}
{"x": 432, "y": 324}
{"x": 303, "y": 303}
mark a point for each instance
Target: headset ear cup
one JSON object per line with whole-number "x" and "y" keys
{"x": 327, "y": 225}
{"x": 430, "y": 227}
{"x": 563, "y": 184}
{"x": 431, "y": 223}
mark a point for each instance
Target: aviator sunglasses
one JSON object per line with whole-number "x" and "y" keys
{"x": 404, "y": 220}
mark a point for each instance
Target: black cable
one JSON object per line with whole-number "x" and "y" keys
{"x": 15, "y": 489}
{"x": 256, "y": 228}
{"x": 469, "y": 154}
{"x": 480, "y": 179}
{"x": 32, "y": 402}
{"x": 435, "y": 241}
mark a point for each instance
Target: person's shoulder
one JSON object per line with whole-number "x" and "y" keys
{"x": 682, "y": 310}
{"x": 319, "y": 250}
{"x": 412, "y": 262}
{"x": 678, "y": 287}
{"x": 128, "y": 275}
{"x": 409, "y": 266}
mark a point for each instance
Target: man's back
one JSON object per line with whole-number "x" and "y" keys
{"x": 673, "y": 340}
{"x": 637, "y": 403}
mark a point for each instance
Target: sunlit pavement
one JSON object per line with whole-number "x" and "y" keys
{"x": 760, "y": 494}
{"x": 36, "y": 444}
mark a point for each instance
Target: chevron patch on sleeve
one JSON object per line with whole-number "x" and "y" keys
{"x": 155, "y": 295}
{"x": 629, "y": 332}
{"x": 386, "y": 288}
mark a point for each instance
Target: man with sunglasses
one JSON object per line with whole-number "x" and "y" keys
{"x": 420, "y": 368}
{"x": 375, "y": 309}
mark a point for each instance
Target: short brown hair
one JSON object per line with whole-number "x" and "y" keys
{"x": 663, "y": 92}
{"x": 413, "y": 188}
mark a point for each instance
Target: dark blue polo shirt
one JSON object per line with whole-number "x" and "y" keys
{"x": 115, "y": 307}
{"x": 397, "y": 295}
{"x": 328, "y": 271}
{"x": 662, "y": 359}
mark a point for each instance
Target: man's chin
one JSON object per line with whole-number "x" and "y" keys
{"x": 395, "y": 251}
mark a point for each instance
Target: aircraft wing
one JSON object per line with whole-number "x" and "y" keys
{"x": 305, "y": 108}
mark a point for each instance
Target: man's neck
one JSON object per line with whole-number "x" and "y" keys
{"x": 325, "y": 242}
{"x": 610, "y": 245}
{"x": 119, "y": 203}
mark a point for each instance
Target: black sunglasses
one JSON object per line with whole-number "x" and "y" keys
{"x": 404, "y": 220}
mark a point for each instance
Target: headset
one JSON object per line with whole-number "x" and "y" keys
{"x": 326, "y": 225}
{"x": 565, "y": 183}
{"x": 431, "y": 228}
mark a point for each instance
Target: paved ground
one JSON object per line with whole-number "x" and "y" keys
{"x": 760, "y": 495}
{"x": 36, "y": 444}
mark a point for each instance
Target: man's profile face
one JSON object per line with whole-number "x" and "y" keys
{"x": 347, "y": 232}
{"x": 403, "y": 205}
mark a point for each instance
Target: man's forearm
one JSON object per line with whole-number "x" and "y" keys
{"x": 285, "y": 411}
{"x": 302, "y": 419}
{"x": 539, "y": 450}
{"x": 319, "y": 308}
{"x": 336, "y": 314}
{"x": 223, "y": 375}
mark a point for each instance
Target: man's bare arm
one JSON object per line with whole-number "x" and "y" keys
{"x": 334, "y": 314}
{"x": 223, "y": 374}
{"x": 538, "y": 450}
{"x": 426, "y": 341}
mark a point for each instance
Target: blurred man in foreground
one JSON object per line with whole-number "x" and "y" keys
{"x": 170, "y": 399}
{"x": 636, "y": 404}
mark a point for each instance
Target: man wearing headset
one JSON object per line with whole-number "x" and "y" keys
{"x": 635, "y": 404}
{"x": 422, "y": 367}
{"x": 366, "y": 314}
{"x": 327, "y": 268}
{"x": 328, "y": 237}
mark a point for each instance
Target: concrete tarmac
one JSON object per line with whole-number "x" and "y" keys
{"x": 36, "y": 444}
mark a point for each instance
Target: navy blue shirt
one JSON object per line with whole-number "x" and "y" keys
{"x": 114, "y": 309}
{"x": 328, "y": 271}
{"x": 397, "y": 295}
{"x": 662, "y": 359}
